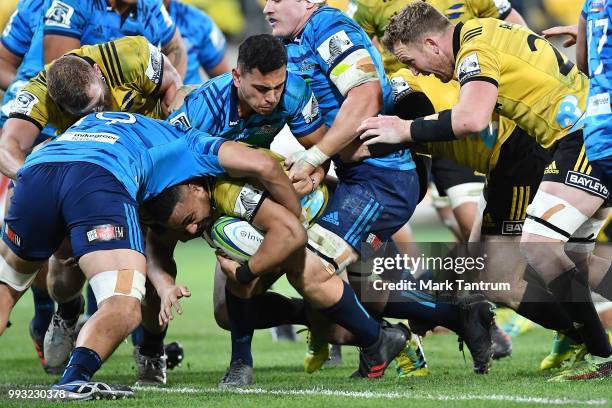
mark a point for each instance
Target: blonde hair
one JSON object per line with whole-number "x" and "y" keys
{"x": 412, "y": 22}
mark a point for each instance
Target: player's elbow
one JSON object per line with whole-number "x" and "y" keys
{"x": 266, "y": 168}
{"x": 291, "y": 232}
{"x": 472, "y": 123}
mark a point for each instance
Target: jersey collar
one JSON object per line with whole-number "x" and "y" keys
{"x": 457, "y": 39}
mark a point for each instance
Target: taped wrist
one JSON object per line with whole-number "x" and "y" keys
{"x": 425, "y": 130}
{"x": 315, "y": 157}
{"x": 244, "y": 274}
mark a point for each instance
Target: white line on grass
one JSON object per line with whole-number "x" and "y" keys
{"x": 380, "y": 395}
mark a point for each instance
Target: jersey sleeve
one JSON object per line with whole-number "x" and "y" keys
{"x": 490, "y": 8}
{"x": 585, "y": 9}
{"x": 403, "y": 84}
{"x": 237, "y": 198}
{"x": 66, "y": 17}
{"x": 306, "y": 116}
{"x": 17, "y": 34}
{"x": 476, "y": 61}
{"x": 141, "y": 63}
{"x": 164, "y": 22}
{"x": 363, "y": 16}
{"x": 33, "y": 103}
{"x": 213, "y": 44}
{"x": 341, "y": 51}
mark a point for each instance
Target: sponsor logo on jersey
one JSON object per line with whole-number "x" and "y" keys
{"x": 599, "y": 104}
{"x": 59, "y": 14}
{"x": 24, "y": 103}
{"x": 248, "y": 201}
{"x": 512, "y": 228}
{"x": 586, "y": 183}
{"x": 334, "y": 46}
{"x": 332, "y": 218}
{"x": 311, "y": 110}
{"x": 105, "y": 233}
{"x": 400, "y": 87}
{"x": 503, "y": 6}
{"x": 552, "y": 168}
{"x": 154, "y": 68}
{"x": 89, "y": 137}
{"x": 11, "y": 235}
{"x": 374, "y": 241}
{"x": 468, "y": 67}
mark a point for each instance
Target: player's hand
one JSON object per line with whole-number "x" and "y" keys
{"x": 385, "y": 129}
{"x": 228, "y": 266}
{"x": 169, "y": 299}
{"x": 301, "y": 171}
{"x": 306, "y": 186}
{"x": 571, "y": 31}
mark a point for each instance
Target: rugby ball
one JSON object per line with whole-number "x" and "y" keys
{"x": 236, "y": 238}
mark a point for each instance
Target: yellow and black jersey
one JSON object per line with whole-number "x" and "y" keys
{"x": 132, "y": 69}
{"x": 479, "y": 152}
{"x": 538, "y": 87}
{"x": 242, "y": 198}
{"x": 374, "y": 15}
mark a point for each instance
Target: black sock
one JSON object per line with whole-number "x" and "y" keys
{"x": 571, "y": 289}
{"x": 152, "y": 344}
{"x": 92, "y": 305}
{"x": 605, "y": 286}
{"x": 273, "y": 309}
{"x": 539, "y": 306}
{"x": 239, "y": 312}
{"x": 71, "y": 310}
{"x": 422, "y": 307}
{"x": 350, "y": 314}
{"x": 44, "y": 307}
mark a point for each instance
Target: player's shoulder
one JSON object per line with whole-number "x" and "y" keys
{"x": 326, "y": 19}
{"x": 478, "y": 29}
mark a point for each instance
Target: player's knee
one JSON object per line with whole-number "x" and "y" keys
{"x": 125, "y": 282}
{"x": 552, "y": 217}
{"x": 333, "y": 251}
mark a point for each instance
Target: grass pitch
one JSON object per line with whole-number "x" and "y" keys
{"x": 279, "y": 377}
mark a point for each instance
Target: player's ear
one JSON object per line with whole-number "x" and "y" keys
{"x": 431, "y": 44}
{"x": 236, "y": 77}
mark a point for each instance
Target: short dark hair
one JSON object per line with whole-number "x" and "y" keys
{"x": 159, "y": 208}
{"x": 68, "y": 81}
{"x": 263, "y": 52}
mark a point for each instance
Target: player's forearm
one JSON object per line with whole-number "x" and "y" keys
{"x": 7, "y": 74}
{"x": 11, "y": 157}
{"x": 581, "y": 47}
{"x": 175, "y": 51}
{"x": 161, "y": 267}
{"x": 280, "y": 188}
{"x": 362, "y": 102}
{"x": 515, "y": 18}
{"x": 281, "y": 240}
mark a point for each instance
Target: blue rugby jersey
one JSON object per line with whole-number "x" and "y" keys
{"x": 327, "y": 39}
{"x": 598, "y": 121}
{"x": 146, "y": 155}
{"x": 213, "y": 108}
{"x": 204, "y": 42}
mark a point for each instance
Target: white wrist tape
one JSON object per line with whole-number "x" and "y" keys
{"x": 124, "y": 282}
{"x": 315, "y": 157}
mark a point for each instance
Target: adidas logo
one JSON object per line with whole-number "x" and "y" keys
{"x": 552, "y": 168}
{"x": 332, "y": 218}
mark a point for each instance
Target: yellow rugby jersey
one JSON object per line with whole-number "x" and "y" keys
{"x": 539, "y": 88}
{"x": 132, "y": 69}
{"x": 373, "y": 16}
{"x": 479, "y": 152}
{"x": 242, "y": 198}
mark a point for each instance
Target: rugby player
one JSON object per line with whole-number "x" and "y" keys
{"x": 95, "y": 176}
{"x": 374, "y": 198}
{"x": 484, "y": 55}
{"x": 76, "y": 84}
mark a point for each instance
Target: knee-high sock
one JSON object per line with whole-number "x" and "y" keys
{"x": 239, "y": 311}
{"x": 605, "y": 286}
{"x": 571, "y": 289}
